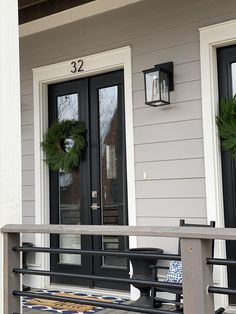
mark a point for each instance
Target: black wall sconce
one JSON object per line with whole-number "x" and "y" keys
{"x": 158, "y": 83}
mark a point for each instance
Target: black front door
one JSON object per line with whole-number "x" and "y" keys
{"x": 96, "y": 192}
{"x": 227, "y": 88}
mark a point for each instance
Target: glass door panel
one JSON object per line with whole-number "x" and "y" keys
{"x": 111, "y": 167}
{"x": 69, "y": 213}
{"x": 68, "y": 107}
{"x": 69, "y": 183}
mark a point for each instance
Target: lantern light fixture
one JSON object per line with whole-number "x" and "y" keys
{"x": 158, "y": 83}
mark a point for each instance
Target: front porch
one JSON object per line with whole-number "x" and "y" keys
{"x": 169, "y": 167}
{"x": 198, "y": 288}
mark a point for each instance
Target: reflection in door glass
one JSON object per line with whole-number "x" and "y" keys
{"x": 69, "y": 184}
{"x": 233, "y": 71}
{"x": 67, "y": 107}
{"x": 112, "y": 167}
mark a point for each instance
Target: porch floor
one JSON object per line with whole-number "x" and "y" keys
{"x": 109, "y": 311}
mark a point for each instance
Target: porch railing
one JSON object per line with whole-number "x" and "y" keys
{"x": 196, "y": 251}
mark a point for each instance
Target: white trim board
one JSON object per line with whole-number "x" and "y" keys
{"x": 93, "y": 64}
{"x": 72, "y": 15}
{"x": 211, "y": 38}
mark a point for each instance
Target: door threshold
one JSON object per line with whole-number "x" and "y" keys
{"x": 113, "y": 293}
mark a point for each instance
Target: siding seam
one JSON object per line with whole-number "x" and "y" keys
{"x": 170, "y": 141}
{"x": 168, "y": 122}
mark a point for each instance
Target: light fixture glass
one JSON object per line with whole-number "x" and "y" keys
{"x": 158, "y": 84}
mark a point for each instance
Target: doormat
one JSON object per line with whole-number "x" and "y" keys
{"x": 68, "y": 307}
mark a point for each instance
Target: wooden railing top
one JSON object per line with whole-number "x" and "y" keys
{"x": 149, "y": 231}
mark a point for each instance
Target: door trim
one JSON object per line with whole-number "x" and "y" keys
{"x": 94, "y": 64}
{"x": 211, "y": 38}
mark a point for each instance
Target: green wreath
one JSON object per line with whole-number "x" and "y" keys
{"x": 63, "y": 144}
{"x": 226, "y": 122}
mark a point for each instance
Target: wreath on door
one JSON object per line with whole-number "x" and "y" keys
{"x": 63, "y": 145}
{"x": 226, "y": 121}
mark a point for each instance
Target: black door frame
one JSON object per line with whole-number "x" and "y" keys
{"x": 55, "y": 91}
{"x": 225, "y": 56}
{"x": 92, "y": 157}
{"x": 97, "y": 82}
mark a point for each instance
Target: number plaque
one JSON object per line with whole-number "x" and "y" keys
{"x": 77, "y": 66}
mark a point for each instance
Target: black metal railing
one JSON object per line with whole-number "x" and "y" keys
{"x": 126, "y": 307}
{"x": 128, "y": 255}
{"x": 96, "y": 252}
{"x": 196, "y": 251}
{"x": 221, "y": 262}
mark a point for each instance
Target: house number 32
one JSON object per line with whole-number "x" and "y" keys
{"x": 77, "y": 66}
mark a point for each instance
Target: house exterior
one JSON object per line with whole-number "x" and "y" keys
{"x": 143, "y": 165}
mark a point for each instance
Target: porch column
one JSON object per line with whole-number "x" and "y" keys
{"x": 10, "y": 124}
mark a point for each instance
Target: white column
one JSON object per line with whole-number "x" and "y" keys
{"x": 10, "y": 125}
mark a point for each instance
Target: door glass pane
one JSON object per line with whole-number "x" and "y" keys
{"x": 233, "y": 71}
{"x": 69, "y": 185}
{"x": 112, "y": 169}
{"x": 67, "y": 107}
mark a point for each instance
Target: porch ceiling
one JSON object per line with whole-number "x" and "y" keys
{"x": 30, "y": 10}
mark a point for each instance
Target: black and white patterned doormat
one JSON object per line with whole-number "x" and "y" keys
{"x": 112, "y": 299}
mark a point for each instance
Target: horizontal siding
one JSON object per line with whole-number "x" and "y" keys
{"x": 28, "y": 177}
{"x": 138, "y": 26}
{"x": 27, "y": 102}
{"x": 28, "y": 162}
{"x": 26, "y": 87}
{"x": 27, "y": 117}
{"x": 169, "y": 157}
{"x": 169, "y": 150}
{"x": 174, "y": 188}
{"x": 27, "y": 132}
{"x": 169, "y": 245}
{"x": 141, "y": 43}
{"x": 28, "y": 193}
{"x": 167, "y": 38}
{"x": 172, "y": 169}
{"x": 182, "y": 54}
{"x": 155, "y": 133}
{"x": 27, "y": 147}
{"x": 147, "y": 16}
{"x": 182, "y": 111}
{"x": 144, "y": 20}
{"x": 175, "y": 208}
{"x": 28, "y": 220}
{"x": 28, "y": 208}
